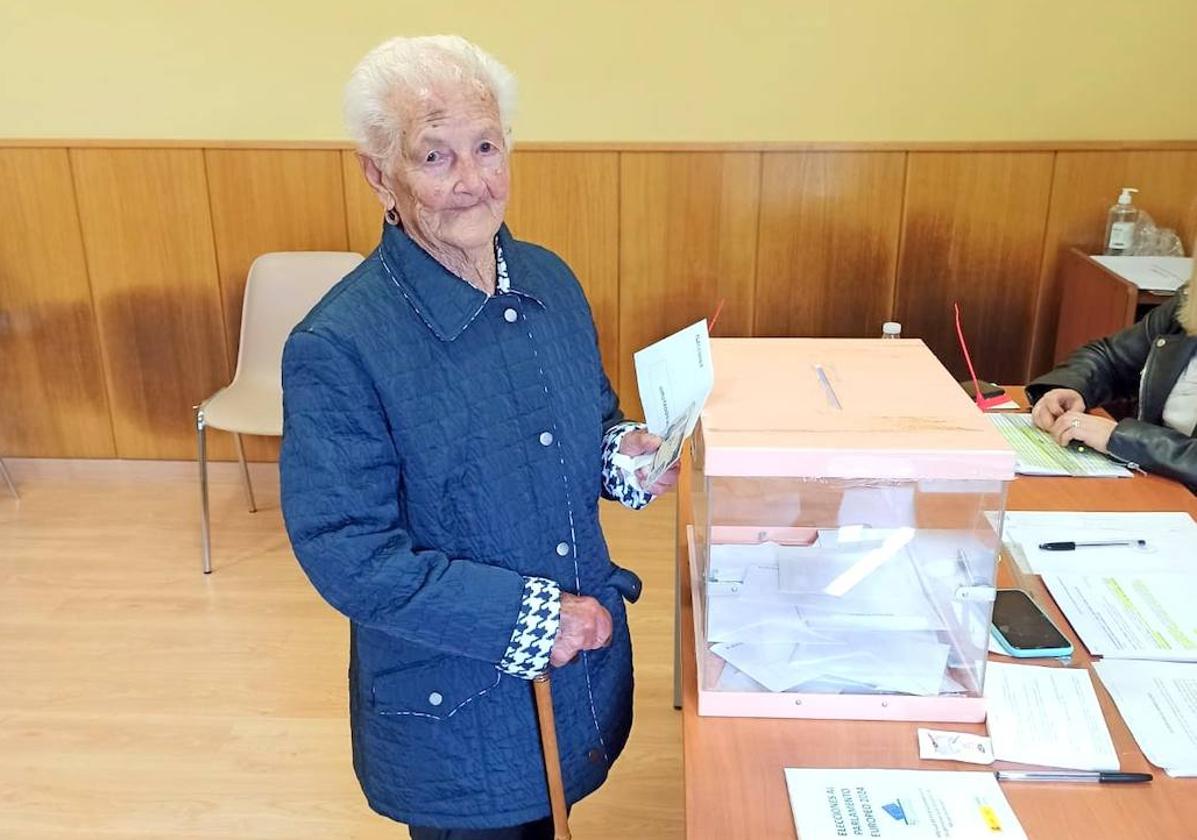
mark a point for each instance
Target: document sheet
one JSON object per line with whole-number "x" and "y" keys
{"x": 1129, "y": 616}
{"x": 1048, "y": 717}
{"x": 900, "y": 805}
{"x": 1158, "y": 701}
{"x": 1171, "y": 541}
{"x": 1152, "y": 274}
{"x": 1038, "y": 453}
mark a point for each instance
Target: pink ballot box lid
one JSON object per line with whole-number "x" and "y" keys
{"x": 844, "y": 408}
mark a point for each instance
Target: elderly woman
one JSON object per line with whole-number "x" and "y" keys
{"x": 449, "y": 431}
{"x": 1155, "y": 360}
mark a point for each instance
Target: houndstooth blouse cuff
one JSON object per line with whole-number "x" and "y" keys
{"x": 617, "y": 484}
{"x": 535, "y": 630}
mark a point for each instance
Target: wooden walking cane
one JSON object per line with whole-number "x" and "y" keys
{"x": 542, "y": 688}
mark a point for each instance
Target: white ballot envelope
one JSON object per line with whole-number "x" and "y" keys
{"x": 674, "y": 377}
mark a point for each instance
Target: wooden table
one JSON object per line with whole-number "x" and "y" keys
{"x": 734, "y": 786}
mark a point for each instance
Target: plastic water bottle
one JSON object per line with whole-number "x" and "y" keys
{"x": 1120, "y": 224}
{"x": 891, "y": 329}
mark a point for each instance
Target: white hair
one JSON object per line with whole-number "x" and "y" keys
{"x": 405, "y": 67}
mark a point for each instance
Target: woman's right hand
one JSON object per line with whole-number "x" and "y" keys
{"x": 1054, "y": 403}
{"x": 585, "y": 625}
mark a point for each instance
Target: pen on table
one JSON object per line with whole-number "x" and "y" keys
{"x": 1069, "y": 776}
{"x": 1072, "y": 546}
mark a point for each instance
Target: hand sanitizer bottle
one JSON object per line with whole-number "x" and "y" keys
{"x": 1120, "y": 226}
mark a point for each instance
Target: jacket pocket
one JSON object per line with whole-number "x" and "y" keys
{"x": 625, "y": 582}
{"x": 436, "y": 689}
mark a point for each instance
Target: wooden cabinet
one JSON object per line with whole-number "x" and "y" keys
{"x": 1095, "y": 302}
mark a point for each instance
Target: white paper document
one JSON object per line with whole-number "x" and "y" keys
{"x": 1037, "y": 453}
{"x": 1048, "y": 717}
{"x": 1130, "y": 616}
{"x": 1151, "y": 274}
{"x": 900, "y": 805}
{"x": 1158, "y": 701}
{"x": 1171, "y": 541}
{"x": 674, "y": 377}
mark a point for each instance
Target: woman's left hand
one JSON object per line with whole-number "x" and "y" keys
{"x": 1087, "y": 429}
{"x": 640, "y": 442}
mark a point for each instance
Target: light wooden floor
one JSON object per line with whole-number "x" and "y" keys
{"x": 140, "y": 699}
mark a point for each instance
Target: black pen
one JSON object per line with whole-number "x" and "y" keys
{"x": 1070, "y": 776}
{"x": 1072, "y": 546}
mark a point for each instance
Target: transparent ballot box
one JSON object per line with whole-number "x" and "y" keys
{"x": 847, "y": 502}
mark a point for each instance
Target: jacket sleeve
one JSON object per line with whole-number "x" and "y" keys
{"x": 1109, "y": 368}
{"x": 617, "y": 485}
{"x": 341, "y": 485}
{"x": 1157, "y": 449}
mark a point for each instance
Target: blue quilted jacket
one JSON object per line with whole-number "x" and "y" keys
{"x": 442, "y": 465}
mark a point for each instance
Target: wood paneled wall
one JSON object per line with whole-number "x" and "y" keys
{"x": 122, "y": 266}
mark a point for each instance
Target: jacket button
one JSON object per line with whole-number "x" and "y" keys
{"x": 595, "y": 756}
{"x": 562, "y": 548}
{"x": 1160, "y": 342}
{"x": 546, "y": 438}
{"x": 435, "y": 699}
{"x": 510, "y": 316}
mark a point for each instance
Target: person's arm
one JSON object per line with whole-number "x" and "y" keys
{"x": 1109, "y": 368}
{"x": 341, "y": 483}
{"x": 1157, "y": 449}
{"x": 630, "y": 438}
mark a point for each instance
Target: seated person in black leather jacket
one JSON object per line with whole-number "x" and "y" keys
{"x": 1156, "y": 359}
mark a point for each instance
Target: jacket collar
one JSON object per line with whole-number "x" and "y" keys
{"x": 444, "y": 302}
{"x": 1169, "y": 357}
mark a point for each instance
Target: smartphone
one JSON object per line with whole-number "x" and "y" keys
{"x": 1022, "y": 629}
{"x": 988, "y": 389}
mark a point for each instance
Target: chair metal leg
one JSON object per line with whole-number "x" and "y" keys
{"x": 249, "y": 488}
{"x": 201, "y": 445}
{"x": 12, "y": 488}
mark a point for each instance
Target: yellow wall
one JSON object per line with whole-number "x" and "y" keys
{"x": 621, "y": 71}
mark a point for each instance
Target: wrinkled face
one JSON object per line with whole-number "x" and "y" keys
{"x": 451, "y": 177}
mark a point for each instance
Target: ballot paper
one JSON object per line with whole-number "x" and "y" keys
{"x": 768, "y": 592}
{"x": 1170, "y": 539}
{"x": 674, "y": 376}
{"x": 768, "y": 616}
{"x": 881, "y": 664}
{"x": 1038, "y": 454}
{"x": 1048, "y": 717}
{"x": 1158, "y": 701}
{"x": 1130, "y": 616}
{"x": 900, "y": 805}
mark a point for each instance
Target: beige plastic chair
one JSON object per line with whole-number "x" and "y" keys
{"x": 279, "y": 292}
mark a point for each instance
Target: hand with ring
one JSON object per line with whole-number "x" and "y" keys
{"x": 1087, "y": 429}
{"x": 1054, "y": 403}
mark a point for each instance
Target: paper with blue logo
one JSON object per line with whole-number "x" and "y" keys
{"x": 899, "y": 804}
